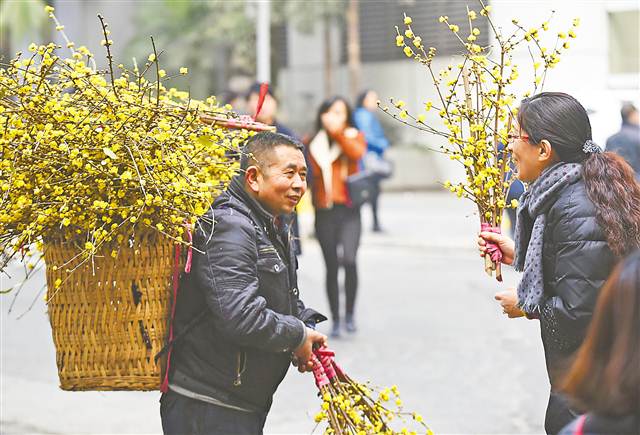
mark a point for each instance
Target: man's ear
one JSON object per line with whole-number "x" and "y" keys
{"x": 251, "y": 176}
{"x": 546, "y": 151}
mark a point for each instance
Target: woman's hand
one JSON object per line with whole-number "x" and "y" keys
{"x": 350, "y": 133}
{"x": 506, "y": 245}
{"x": 332, "y": 123}
{"x": 509, "y": 302}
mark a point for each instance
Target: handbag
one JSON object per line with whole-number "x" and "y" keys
{"x": 377, "y": 164}
{"x": 361, "y": 187}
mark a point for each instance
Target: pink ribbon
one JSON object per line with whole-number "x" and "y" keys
{"x": 318, "y": 373}
{"x": 176, "y": 281}
{"x": 327, "y": 364}
{"x": 187, "y": 265}
{"x": 492, "y": 248}
{"x": 264, "y": 87}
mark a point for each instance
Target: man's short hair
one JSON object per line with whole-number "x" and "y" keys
{"x": 626, "y": 111}
{"x": 257, "y": 148}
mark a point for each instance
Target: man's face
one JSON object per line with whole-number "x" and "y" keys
{"x": 267, "y": 112}
{"x": 281, "y": 181}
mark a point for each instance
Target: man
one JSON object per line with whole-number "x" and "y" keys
{"x": 225, "y": 369}
{"x": 268, "y": 111}
{"x": 627, "y": 141}
{"x": 267, "y": 115}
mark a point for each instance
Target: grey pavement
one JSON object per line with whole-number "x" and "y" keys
{"x": 427, "y": 323}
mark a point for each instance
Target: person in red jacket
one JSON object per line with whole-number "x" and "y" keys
{"x": 334, "y": 153}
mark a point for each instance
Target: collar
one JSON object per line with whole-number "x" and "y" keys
{"x": 236, "y": 188}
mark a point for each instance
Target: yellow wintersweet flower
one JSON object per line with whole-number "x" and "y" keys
{"x": 408, "y": 51}
{"x": 407, "y": 20}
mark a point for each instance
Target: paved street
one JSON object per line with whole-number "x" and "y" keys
{"x": 427, "y": 323}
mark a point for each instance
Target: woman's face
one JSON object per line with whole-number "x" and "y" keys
{"x": 370, "y": 102}
{"x": 334, "y": 120}
{"x": 526, "y": 156}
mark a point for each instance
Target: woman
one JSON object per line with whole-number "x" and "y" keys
{"x": 334, "y": 153}
{"x": 580, "y": 213}
{"x": 377, "y": 143}
{"x": 605, "y": 378}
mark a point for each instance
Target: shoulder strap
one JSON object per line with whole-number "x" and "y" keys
{"x": 580, "y": 425}
{"x": 188, "y": 327}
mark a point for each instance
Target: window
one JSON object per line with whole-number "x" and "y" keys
{"x": 379, "y": 18}
{"x": 624, "y": 42}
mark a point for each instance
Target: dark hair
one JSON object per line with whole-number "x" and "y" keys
{"x": 610, "y": 181}
{"x": 605, "y": 377}
{"x": 258, "y": 146}
{"x": 255, "y": 89}
{"x": 326, "y": 105}
{"x": 361, "y": 97}
{"x": 228, "y": 96}
{"x": 626, "y": 111}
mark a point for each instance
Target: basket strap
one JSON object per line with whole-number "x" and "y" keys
{"x": 164, "y": 387}
{"x": 187, "y": 265}
{"x": 178, "y": 337}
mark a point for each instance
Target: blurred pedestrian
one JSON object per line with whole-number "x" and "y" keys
{"x": 580, "y": 213}
{"x": 268, "y": 115}
{"x": 516, "y": 189}
{"x": 334, "y": 153}
{"x": 626, "y": 142}
{"x": 269, "y": 111}
{"x": 239, "y": 318}
{"x": 377, "y": 143}
{"x": 235, "y": 100}
{"x": 605, "y": 379}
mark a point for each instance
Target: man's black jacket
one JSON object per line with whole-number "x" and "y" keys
{"x": 244, "y": 273}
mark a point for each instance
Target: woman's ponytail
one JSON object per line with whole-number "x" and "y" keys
{"x": 613, "y": 189}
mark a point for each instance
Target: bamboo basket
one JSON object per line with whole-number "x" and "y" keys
{"x": 110, "y": 317}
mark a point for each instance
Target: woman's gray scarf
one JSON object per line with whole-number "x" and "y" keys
{"x": 534, "y": 204}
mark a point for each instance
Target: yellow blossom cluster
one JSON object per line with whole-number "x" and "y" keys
{"x": 475, "y": 101}
{"x": 354, "y": 408}
{"x": 96, "y": 156}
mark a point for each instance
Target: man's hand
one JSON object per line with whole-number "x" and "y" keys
{"x": 509, "y": 302}
{"x": 505, "y": 244}
{"x": 302, "y": 354}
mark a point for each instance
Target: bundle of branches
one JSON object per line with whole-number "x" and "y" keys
{"x": 474, "y": 104}
{"x": 94, "y": 156}
{"x": 349, "y": 407}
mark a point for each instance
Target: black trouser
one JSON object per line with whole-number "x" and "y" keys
{"x": 339, "y": 227}
{"x": 375, "y": 193}
{"x": 559, "y": 414}
{"x": 184, "y": 416}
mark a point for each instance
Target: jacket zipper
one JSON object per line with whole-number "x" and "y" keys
{"x": 240, "y": 367}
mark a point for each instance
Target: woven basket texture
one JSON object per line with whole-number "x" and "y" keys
{"x": 109, "y": 318}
